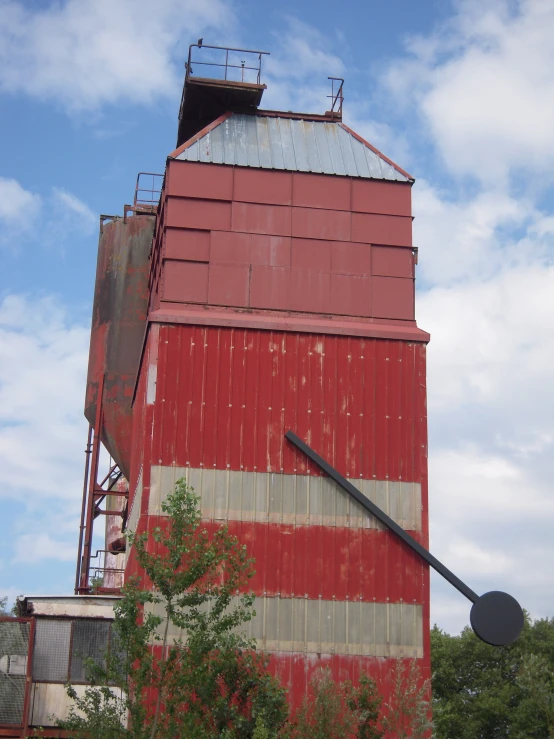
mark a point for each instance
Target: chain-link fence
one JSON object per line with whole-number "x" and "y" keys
{"x": 14, "y": 652}
{"x": 59, "y": 653}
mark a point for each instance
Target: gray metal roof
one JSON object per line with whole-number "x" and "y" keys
{"x": 295, "y": 145}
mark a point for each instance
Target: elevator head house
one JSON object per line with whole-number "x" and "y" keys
{"x": 278, "y": 294}
{"x": 265, "y": 282}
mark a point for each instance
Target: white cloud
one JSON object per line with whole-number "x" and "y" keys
{"x": 491, "y": 399}
{"x": 85, "y": 54}
{"x": 74, "y": 205}
{"x": 484, "y": 84}
{"x": 49, "y": 219}
{"x": 33, "y": 548}
{"x": 17, "y": 205}
{"x": 465, "y": 237}
{"x": 43, "y": 361}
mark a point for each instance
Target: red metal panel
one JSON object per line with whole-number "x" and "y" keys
{"x": 311, "y": 254}
{"x": 392, "y": 261}
{"x": 258, "y": 186}
{"x": 392, "y": 297}
{"x": 350, "y": 295}
{"x": 187, "y": 244}
{"x": 350, "y": 258}
{"x": 314, "y": 223}
{"x": 185, "y": 282}
{"x": 273, "y": 220}
{"x": 331, "y": 563}
{"x": 195, "y": 180}
{"x": 389, "y": 198}
{"x": 202, "y": 214}
{"x": 118, "y": 326}
{"x": 271, "y": 251}
{"x": 321, "y": 191}
{"x": 345, "y": 376}
{"x": 227, "y": 246}
{"x": 379, "y": 229}
{"x": 296, "y": 670}
{"x": 270, "y": 287}
{"x": 229, "y": 284}
{"x": 310, "y": 291}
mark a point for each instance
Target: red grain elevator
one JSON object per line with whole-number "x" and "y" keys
{"x": 281, "y": 296}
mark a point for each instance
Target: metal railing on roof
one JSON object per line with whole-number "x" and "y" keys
{"x": 147, "y": 191}
{"x": 225, "y": 65}
{"x": 337, "y": 97}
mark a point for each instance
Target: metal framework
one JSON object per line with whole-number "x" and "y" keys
{"x": 226, "y": 66}
{"x": 337, "y": 98}
{"x": 94, "y": 493}
{"x": 148, "y": 189}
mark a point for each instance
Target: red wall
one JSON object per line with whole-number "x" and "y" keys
{"x": 284, "y": 241}
{"x": 236, "y": 242}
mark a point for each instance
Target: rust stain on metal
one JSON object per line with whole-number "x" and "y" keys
{"x": 118, "y": 325}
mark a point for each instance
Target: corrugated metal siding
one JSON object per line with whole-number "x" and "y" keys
{"x": 226, "y": 495}
{"x": 288, "y": 144}
{"x": 225, "y": 398}
{"x": 333, "y": 563}
{"x": 329, "y": 627}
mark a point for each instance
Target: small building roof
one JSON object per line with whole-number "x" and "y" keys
{"x": 292, "y": 143}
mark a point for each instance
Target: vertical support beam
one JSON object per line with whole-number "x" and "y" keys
{"x": 92, "y": 485}
{"x": 28, "y": 679}
{"x": 83, "y": 509}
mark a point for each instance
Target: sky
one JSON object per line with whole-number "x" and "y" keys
{"x": 457, "y": 92}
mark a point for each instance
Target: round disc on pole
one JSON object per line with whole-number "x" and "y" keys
{"x": 497, "y": 618}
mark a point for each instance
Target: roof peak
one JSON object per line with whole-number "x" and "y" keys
{"x": 292, "y": 142}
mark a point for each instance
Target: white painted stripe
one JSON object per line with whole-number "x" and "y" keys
{"x": 228, "y": 495}
{"x": 321, "y": 626}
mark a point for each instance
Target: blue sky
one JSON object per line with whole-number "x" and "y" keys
{"x": 458, "y": 93}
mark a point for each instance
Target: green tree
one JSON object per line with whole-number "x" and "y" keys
{"x": 4, "y": 606}
{"x": 484, "y": 692}
{"x": 178, "y": 664}
{"x": 408, "y": 712}
{"x": 337, "y": 710}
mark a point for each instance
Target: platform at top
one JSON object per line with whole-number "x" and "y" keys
{"x": 217, "y": 80}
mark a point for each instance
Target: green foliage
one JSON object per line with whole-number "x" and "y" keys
{"x": 4, "y": 610}
{"x": 336, "y": 710}
{"x": 178, "y": 665}
{"x": 408, "y": 712}
{"x": 484, "y": 692}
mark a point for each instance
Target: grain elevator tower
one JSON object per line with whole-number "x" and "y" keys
{"x": 272, "y": 288}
